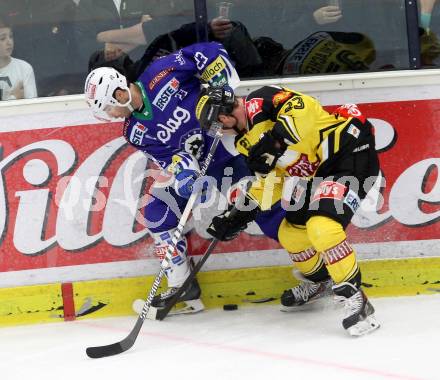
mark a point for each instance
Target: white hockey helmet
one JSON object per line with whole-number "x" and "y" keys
{"x": 99, "y": 89}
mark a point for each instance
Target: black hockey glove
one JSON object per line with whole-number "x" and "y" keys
{"x": 227, "y": 226}
{"x": 264, "y": 155}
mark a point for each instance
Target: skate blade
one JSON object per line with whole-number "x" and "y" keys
{"x": 364, "y": 327}
{"x": 313, "y": 304}
{"x": 184, "y": 307}
{"x": 187, "y": 307}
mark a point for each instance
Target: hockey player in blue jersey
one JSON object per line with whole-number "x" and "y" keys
{"x": 160, "y": 121}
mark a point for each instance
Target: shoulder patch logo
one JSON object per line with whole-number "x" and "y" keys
{"x": 213, "y": 69}
{"x": 354, "y": 131}
{"x": 254, "y": 107}
{"x": 281, "y": 97}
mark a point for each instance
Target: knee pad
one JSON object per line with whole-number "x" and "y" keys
{"x": 305, "y": 258}
{"x": 329, "y": 238}
{"x": 179, "y": 267}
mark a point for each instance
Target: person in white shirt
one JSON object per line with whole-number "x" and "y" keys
{"x": 17, "y": 79}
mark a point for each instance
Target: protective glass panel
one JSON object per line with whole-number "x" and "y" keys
{"x": 301, "y": 37}
{"x": 55, "y": 41}
{"x": 429, "y": 17}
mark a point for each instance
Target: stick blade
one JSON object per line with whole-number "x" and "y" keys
{"x": 104, "y": 351}
{"x": 116, "y": 348}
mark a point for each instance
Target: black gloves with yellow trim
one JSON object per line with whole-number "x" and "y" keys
{"x": 229, "y": 224}
{"x": 263, "y": 156}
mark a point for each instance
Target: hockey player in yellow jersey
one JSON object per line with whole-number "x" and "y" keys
{"x": 329, "y": 162}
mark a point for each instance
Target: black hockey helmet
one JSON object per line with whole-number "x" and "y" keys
{"x": 214, "y": 101}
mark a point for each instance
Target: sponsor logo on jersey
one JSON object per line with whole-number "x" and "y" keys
{"x": 350, "y": 110}
{"x": 302, "y": 167}
{"x": 354, "y": 131}
{"x": 174, "y": 167}
{"x": 159, "y": 77}
{"x": 164, "y": 95}
{"x": 181, "y": 94}
{"x": 194, "y": 145}
{"x": 352, "y": 200}
{"x": 213, "y": 69}
{"x": 254, "y": 107}
{"x": 337, "y": 253}
{"x": 329, "y": 190}
{"x": 180, "y": 116}
{"x": 303, "y": 255}
{"x": 219, "y": 81}
{"x": 361, "y": 148}
{"x": 281, "y": 97}
{"x": 298, "y": 193}
{"x": 125, "y": 128}
{"x": 137, "y": 133}
{"x": 179, "y": 58}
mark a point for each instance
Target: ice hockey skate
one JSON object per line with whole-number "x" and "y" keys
{"x": 359, "y": 316}
{"x": 304, "y": 295}
{"x": 189, "y": 302}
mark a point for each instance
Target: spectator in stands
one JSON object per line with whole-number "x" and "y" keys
{"x": 139, "y": 34}
{"x": 328, "y": 14}
{"x": 429, "y": 43}
{"x": 233, "y": 35}
{"x": 383, "y": 22}
{"x": 426, "y": 8}
{"x": 96, "y": 16}
{"x": 318, "y": 53}
{"x": 44, "y": 38}
{"x": 17, "y": 79}
{"x": 123, "y": 40}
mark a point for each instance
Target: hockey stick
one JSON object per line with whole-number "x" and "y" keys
{"x": 130, "y": 339}
{"x": 163, "y": 312}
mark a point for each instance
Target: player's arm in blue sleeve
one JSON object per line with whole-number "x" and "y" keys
{"x": 211, "y": 62}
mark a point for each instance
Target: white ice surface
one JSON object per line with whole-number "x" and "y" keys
{"x": 257, "y": 342}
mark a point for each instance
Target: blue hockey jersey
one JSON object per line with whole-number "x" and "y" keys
{"x": 167, "y": 125}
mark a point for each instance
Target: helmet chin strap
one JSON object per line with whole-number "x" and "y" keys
{"x": 128, "y": 102}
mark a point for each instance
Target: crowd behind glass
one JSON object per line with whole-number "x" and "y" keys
{"x": 48, "y": 46}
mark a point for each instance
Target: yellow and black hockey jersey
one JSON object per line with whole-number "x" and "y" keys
{"x": 314, "y": 136}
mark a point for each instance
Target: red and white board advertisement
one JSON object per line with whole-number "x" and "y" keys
{"x": 71, "y": 197}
